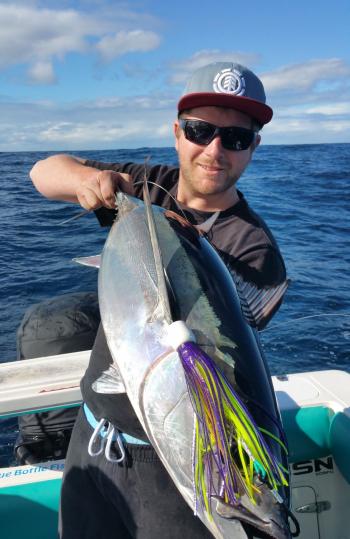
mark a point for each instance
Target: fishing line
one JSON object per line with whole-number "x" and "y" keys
{"x": 77, "y": 216}
{"x": 168, "y": 193}
{"x": 303, "y": 318}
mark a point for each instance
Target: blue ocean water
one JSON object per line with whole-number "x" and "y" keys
{"x": 301, "y": 191}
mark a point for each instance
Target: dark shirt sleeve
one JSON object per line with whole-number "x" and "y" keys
{"x": 264, "y": 266}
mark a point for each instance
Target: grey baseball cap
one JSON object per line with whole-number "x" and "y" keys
{"x": 227, "y": 84}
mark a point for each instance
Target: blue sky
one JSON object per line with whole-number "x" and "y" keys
{"x": 103, "y": 74}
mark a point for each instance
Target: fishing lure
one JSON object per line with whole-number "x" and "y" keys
{"x": 223, "y": 423}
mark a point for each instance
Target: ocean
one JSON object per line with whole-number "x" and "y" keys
{"x": 302, "y": 192}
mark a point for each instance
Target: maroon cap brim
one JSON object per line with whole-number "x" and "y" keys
{"x": 257, "y": 110}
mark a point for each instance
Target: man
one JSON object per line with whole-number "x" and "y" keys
{"x": 216, "y": 133}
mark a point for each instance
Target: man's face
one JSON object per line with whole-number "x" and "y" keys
{"x": 210, "y": 172}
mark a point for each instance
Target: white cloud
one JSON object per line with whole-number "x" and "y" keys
{"x": 112, "y": 46}
{"x": 35, "y": 36}
{"x": 184, "y": 68}
{"x": 100, "y": 124}
{"x": 299, "y": 78}
{"x": 42, "y": 73}
{"x": 86, "y": 133}
{"x": 126, "y": 124}
{"x": 330, "y": 109}
{"x": 341, "y": 128}
{"x": 28, "y": 34}
{"x": 309, "y": 109}
{"x": 68, "y": 132}
{"x": 305, "y": 123}
{"x": 310, "y": 102}
{"x": 117, "y": 105}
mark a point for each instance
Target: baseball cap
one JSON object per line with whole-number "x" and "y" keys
{"x": 227, "y": 84}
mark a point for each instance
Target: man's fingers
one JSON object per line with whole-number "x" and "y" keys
{"x": 99, "y": 189}
{"x": 89, "y": 200}
{"x": 108, "y": 184}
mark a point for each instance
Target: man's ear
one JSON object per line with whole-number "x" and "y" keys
{"x": 176, "y": 129}
{"x": 256, "y": 142}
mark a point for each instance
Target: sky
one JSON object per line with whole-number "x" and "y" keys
{"x": 102, "y": 74}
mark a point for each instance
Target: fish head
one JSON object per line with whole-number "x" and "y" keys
{"x": 268, "y": 514}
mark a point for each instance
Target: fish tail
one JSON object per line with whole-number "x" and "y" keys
{"x": 223, "y": 422}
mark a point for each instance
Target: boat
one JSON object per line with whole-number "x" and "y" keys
{"x": 315, "y": 411}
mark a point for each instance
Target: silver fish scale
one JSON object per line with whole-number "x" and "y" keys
{"x": 135, "y": 254}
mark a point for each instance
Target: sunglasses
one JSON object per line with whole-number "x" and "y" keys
{"x": 232, "y": 138}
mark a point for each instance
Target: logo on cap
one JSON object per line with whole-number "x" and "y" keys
{"x": 229, "y": 81}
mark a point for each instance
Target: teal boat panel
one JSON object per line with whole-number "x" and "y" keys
{"x": 307, "y": 431}
{"x": 22, "y": 505}
{"x": 317, "y": 432}
{"x": 340, "y": 443}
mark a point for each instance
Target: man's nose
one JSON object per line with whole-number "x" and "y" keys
{"x": 215, "y": 147}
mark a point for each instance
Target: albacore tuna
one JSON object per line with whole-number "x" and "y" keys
{"x": 192, "y": 368}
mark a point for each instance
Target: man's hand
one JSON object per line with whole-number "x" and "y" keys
{"x": 99, "y": 189}
{"x": 63, "y": 177}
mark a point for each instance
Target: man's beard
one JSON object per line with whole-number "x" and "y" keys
{"x": 199, "y": 188}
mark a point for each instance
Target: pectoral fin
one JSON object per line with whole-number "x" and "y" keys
{"x": 91, "y": 261}
{"x": 110, "y": 382}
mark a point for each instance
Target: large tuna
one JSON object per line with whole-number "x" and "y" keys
{"x": 200, "y": 387}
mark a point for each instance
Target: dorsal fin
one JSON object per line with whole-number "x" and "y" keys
{"x": 159, "y": 266}
{"x": 258, "y": 304}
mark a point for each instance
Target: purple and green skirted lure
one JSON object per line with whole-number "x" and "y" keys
{"x": 223, "y": 423}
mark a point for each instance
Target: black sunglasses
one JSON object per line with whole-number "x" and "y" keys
{"x": 232, "y": 138}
